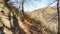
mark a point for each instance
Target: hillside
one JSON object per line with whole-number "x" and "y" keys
{"x": 41, "y": 21}
{"x": 48, "y": 17}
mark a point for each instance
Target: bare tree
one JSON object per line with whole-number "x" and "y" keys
{"x": 22, "y": 1}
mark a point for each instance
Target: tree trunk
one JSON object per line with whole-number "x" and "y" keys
{"x": 58, "y": 16}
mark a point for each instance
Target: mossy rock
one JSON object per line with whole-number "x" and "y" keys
{"x": 5, "y": 9}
